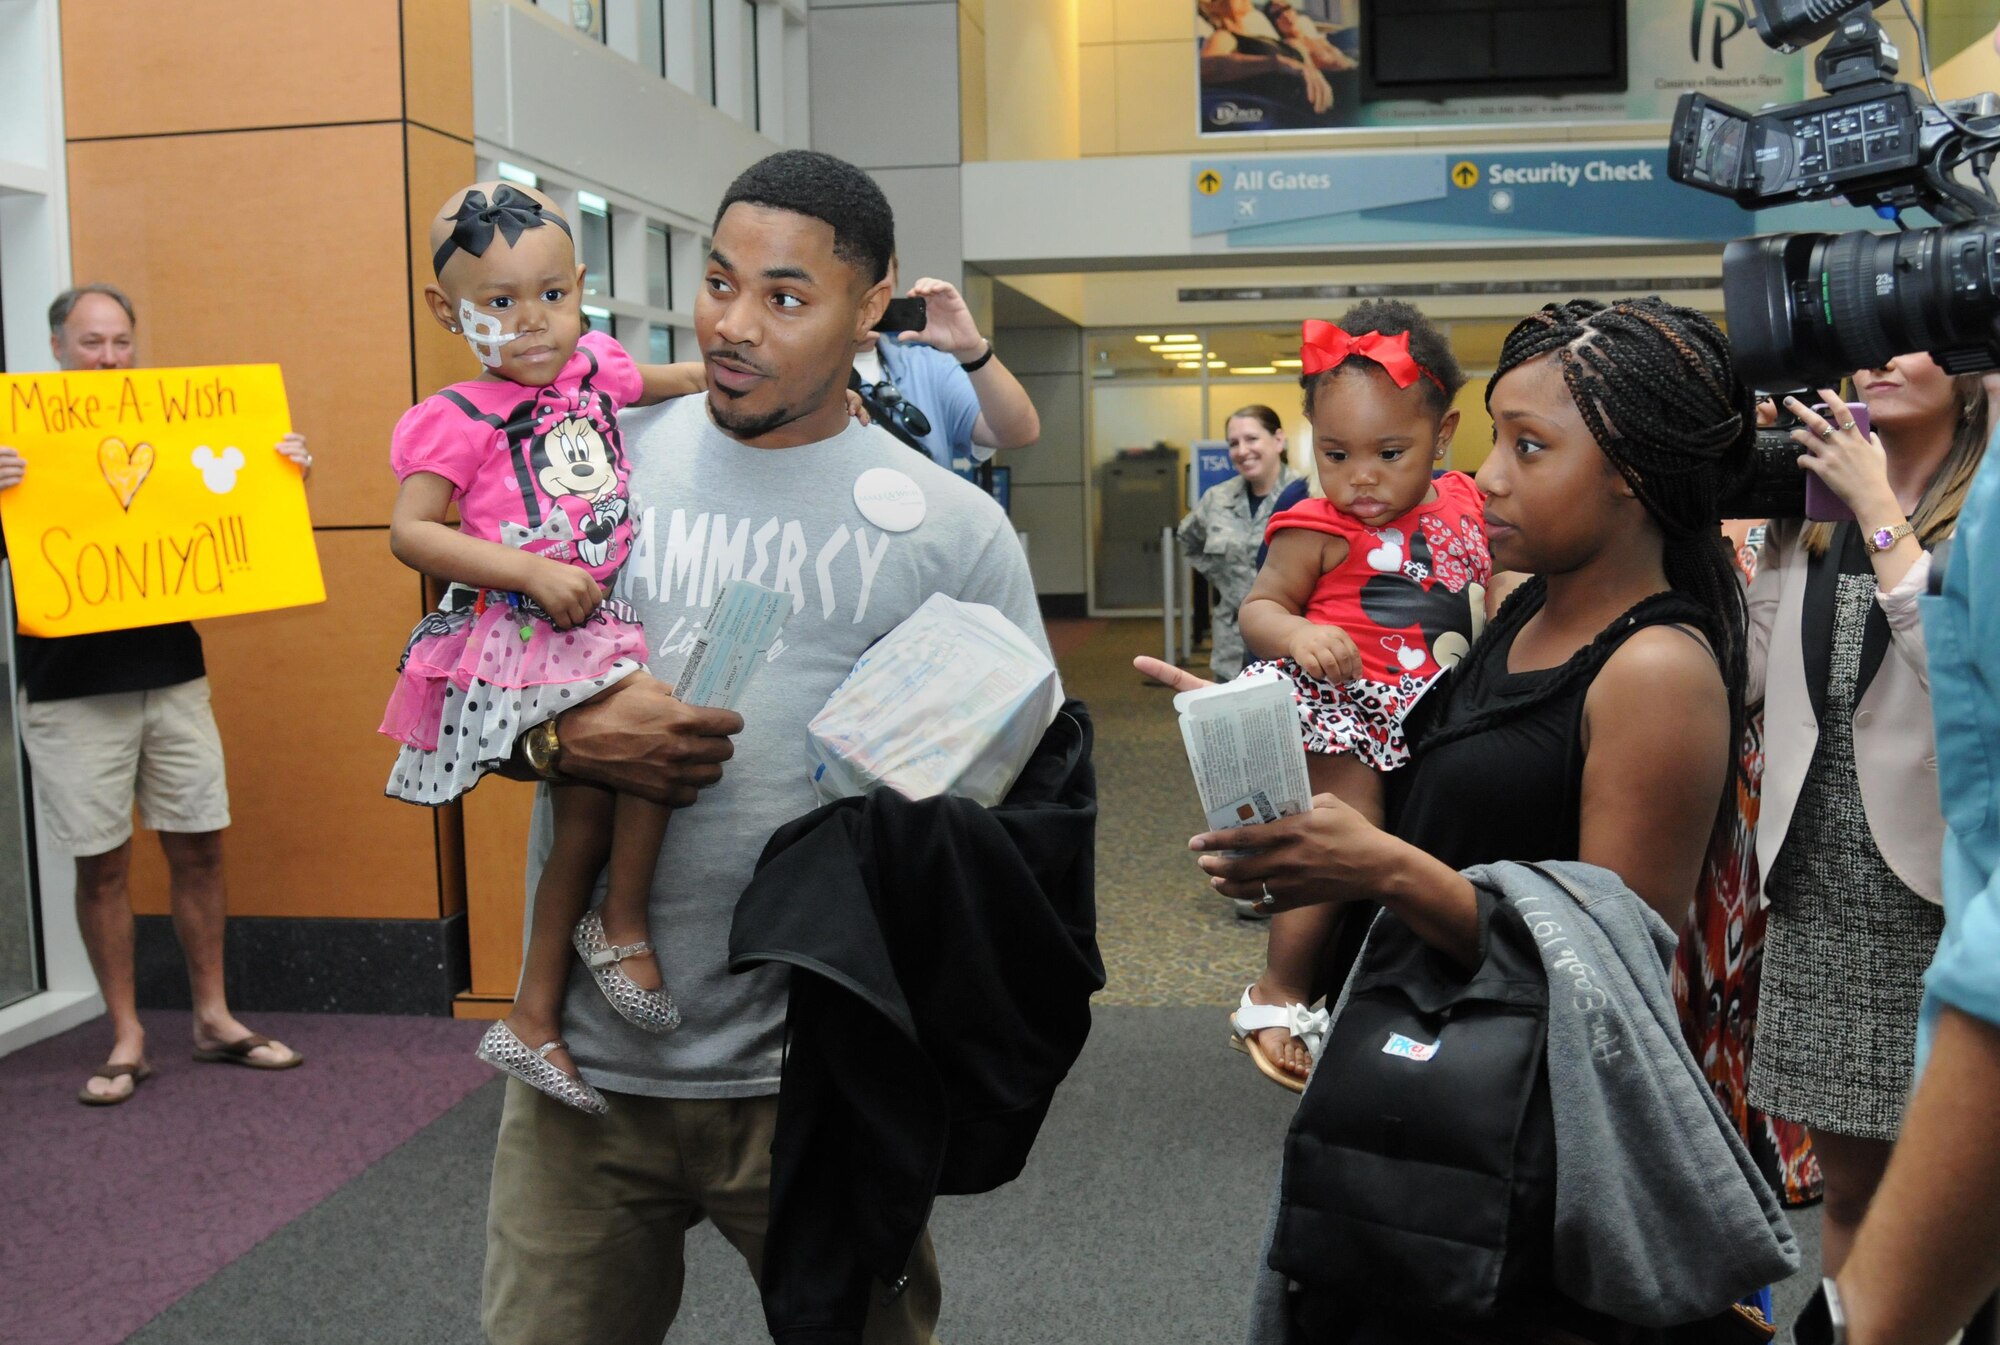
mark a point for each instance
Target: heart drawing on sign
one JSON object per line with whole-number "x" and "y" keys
{"x": 125, "y": 469}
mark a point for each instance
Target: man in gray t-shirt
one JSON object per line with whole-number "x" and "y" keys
{"x": 757, "y": 480}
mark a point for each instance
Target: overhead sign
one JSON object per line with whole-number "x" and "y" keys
{"x": 1338, "y": 198}
{"x": 153, "y": 495}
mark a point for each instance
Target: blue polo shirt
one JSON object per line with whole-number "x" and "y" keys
{"x": 932, "y": 381}
{"x": 1962, "y": 633}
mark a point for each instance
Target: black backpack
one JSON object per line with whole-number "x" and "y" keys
{"x": 1420, "y": 1167}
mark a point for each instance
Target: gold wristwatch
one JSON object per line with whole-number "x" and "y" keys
{"x": 543, "y": 749}
{"x": 1884, "y": 539}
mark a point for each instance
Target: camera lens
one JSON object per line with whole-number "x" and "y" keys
{"x": 1806, "y": 308}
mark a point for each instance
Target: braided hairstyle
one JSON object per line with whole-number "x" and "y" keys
{"x": 1654, "y": 385}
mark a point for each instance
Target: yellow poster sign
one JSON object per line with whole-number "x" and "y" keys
{"x": 153, "y": 495}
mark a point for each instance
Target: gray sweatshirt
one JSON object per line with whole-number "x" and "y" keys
{"x": 706, "y": 509}
{"x": 1661, "y": 1214}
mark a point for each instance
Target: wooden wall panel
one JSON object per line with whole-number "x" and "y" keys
{"x": 439, "y": 166}
{"x": 437, "y": 63}
{"x": 285, "y": 246}
{"x": 298, "y": 695}
{"x": 496, "y": 848}
{"x": 155, "y": 68}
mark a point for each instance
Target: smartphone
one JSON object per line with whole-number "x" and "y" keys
{"x": 1822, "y": 505}
{"x": 904, "y": 315}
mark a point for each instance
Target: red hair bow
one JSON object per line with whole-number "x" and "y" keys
{"x": 1325, "y": 346}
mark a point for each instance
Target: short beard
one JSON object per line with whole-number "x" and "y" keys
{"x": 750, "y": 427}
{"x": 756, "y": 427}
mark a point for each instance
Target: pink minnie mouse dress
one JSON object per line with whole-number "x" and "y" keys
{"x": 1401, "y": 596}
{"x": 540, "y": 469}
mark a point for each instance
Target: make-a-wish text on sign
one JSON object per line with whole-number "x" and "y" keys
{"x": 153, "y": 495}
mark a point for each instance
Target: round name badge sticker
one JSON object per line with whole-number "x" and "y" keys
{"x": 889, "y": 499}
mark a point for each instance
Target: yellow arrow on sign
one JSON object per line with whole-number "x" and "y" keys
{"x": 1465, "y": 173}
{"x": 1209, "y": 183}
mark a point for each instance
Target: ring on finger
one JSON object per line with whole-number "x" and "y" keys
{"x": 1825, "y": 430}
{"x": 1847, "y": 425}
{"x": 1269, "y": 898}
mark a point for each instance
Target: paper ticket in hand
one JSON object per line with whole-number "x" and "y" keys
{"x": 1244, "y": 743}
{"x": 745, "y": 620}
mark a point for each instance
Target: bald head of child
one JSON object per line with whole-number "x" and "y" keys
{"x": 508, "y": 280}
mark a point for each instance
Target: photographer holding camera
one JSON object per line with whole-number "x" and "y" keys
{"x": 1851, "y": 830}
{"x": 938, "y": 385}
{"x": 1930, "y": 1248}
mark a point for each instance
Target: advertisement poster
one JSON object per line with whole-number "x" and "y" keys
{"x": 153, "y": 495}
{"x": 1268, "y": 66}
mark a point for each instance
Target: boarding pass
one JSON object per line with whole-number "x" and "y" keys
{"x": 740, "y": 628}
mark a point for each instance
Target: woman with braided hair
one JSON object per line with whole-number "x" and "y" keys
{"x": 1593, "y": 719}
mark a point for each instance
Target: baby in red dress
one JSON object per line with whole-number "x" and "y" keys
{"x": 1366, "y": 597}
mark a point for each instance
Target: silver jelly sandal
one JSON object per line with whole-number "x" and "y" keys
{"x": 506, "y": 1052}
{"x": 652, "y": 1010}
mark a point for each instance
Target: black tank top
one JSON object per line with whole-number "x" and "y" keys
{"x": 1512, "y": 789}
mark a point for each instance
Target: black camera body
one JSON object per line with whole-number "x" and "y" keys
{"x": 1806, "y": 308}
{"x": 1867, "y": 140}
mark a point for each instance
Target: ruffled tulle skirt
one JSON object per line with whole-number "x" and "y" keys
{"x": 476, "y": 676}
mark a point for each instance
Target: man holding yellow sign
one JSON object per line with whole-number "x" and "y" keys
{"x": 141, "y": 512}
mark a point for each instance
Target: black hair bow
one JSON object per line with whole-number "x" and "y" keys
{"x": 510, "y": 214}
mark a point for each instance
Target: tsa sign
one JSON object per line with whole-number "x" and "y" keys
{"x": 1211, "y": 465}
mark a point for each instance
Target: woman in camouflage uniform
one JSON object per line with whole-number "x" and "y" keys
{"x": 1222, "y": 533}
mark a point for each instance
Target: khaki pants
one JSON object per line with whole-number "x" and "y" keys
{"x": 587, "y": 1215}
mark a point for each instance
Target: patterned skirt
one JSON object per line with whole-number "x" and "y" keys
{"x": 1362, "y": 718}
{"x": 477, "y": 674}
{"x": 1717, "y": 973}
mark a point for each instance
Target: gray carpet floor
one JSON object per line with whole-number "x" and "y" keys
{"x": 1135, "y": 1223}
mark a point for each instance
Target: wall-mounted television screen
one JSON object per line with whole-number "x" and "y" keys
{"x": 1468, "y": 48}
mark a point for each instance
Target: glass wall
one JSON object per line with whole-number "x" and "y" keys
{"x": 1155, "y": 391}
{"x": 717, "y": 50}
{"x": 20, "y": 950}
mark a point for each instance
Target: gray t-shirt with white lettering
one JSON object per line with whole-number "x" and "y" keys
{"x": 707, "y": 509}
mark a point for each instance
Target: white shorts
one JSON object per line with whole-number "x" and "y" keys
{"x": 94, "y": 756}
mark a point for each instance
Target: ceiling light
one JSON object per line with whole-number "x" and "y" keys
{"x": 1253, "y": 369}
{"x": 592, "y": 202}
{"x": 1184, "y": 336}
{"x": 1218, "y": 364}
{"x": 1145, "y": 340}
{"x": 1188, "y": 364}
{"x": 1289, "y": 364}
{"x": 509, "y": 173}
{"x": 1194, "y": 349}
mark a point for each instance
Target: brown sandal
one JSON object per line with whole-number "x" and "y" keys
{"x": 138, "y": 1073}
{"x": 238, "y": 1053}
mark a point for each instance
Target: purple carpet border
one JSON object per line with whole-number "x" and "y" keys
{"x": 108, "y": 1215}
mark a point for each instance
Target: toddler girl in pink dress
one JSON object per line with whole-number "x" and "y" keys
{"x": 529, "y": 453}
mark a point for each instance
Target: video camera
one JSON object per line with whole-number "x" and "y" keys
{"x": 1805, "y": 309}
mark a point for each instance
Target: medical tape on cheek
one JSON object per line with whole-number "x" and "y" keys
{"x": 483, "y": 333}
